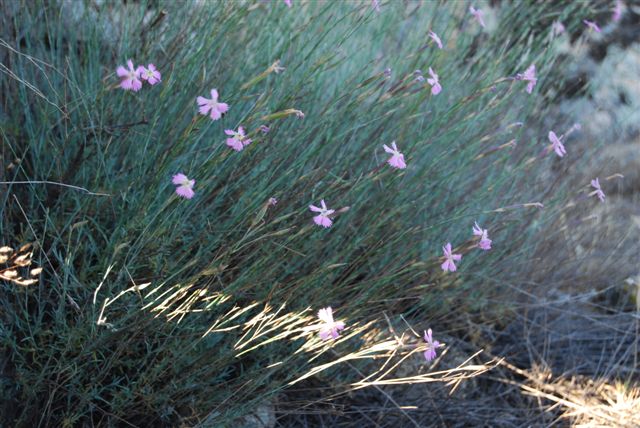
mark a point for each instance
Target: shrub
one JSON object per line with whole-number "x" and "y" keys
{"x": 153, "y": 309}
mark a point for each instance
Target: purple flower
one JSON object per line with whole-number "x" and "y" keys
{"x": 330, "y": 327}
{"x": 130, "y": 78}
{"x": 595, "y": 183}
{"x": 434, "y": 82}
{"x": 322, "y": 219}
{"x": 529, "y": 76}
{"x": 436, "y": 39}
{"x": 273, "y": 201}
{"x": 264, "y": 129}
{"x": 288, "y": 3}
{"x": 397, "y": 159}
{"x": 432, "y": 345}
{"x": 485, "y": 242}
{"x": 592, "y": 25}
{"x": 238, "y": 139}
{"x": 185, "y": 186}
{"x": 212, "y": 106}
{"x": 477, "y": 14}
{"x": 150, "y": 74}
{"x": 617, "y": 11}
{"x": 449, "y": 264}
{"x": 557, "y": 145}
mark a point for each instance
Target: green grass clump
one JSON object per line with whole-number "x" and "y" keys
{"x": 156, "y": 310}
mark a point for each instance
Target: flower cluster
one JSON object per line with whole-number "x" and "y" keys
{"x": 131, "y": 77}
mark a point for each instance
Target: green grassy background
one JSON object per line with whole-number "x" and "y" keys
{"x": 66, "y": 121}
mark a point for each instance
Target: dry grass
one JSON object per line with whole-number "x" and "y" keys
{"x": 580, "y": 400}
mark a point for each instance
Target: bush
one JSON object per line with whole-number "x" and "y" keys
{"x": 153, "y": 309}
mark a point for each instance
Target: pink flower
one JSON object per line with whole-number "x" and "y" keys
{"x": 436, "y": 39}
{"x": 432, "y": 345}
{"x": 130, "y": 79}
{"x": 477, "y": 14}
{"x": 592, "y": 25}
{"x": 330, "y": 327}
{"x": 595, "y": 183}
{"x": 212, "y": 106}
{"x": 529, "y": 76}
{"x": 557, "y": 145}
{"x": 150, "y": 74}
{"x": 375, "y": 4}
{"x": 449, "y": 264}
{"x": 238, "y": 139}
{"x": 273, "y": 201}
{"x": 322, "y": 219}
{"x": 557, "y": 28}
{"x": 485, "y": 242}
{"x": 288, "y": 3}
{"x": 434, "y": 82}
{"x": 397, "y": 159}
{"x": 185, "y": 186}
{"x": 617, "y": 11}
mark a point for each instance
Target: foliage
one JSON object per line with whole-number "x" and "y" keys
{"x": 152, "y": 309}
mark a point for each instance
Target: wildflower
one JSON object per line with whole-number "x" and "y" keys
{"x": 485, "y": 242}
{"x": 434, "y": 82}
{"x": 150, "y": 74}
{"x": 322, "y": 219}
{"x": 273, "y": 201}
{"x": 264, "y": 129}
{"x": 185, "y": 186}
{"x": 595, "y": 183}
{"x": 617, "y": 11}
{"x": 592, "y": 25}
{"x": 212, "y": 106}
{"x": 330, "y": 327}
{"x": 397, "y": 159}
{"x": 557, "y": 28}
{"x": 130, "y": 79}
{"x": 375, "y": 4}
{"x": 529, "y": 76}
{"x": 288, "y": 3}
{"x": 557, "y": 145}
{"x": 436, "y": 39}
{"x": 477, "y": 14}
{"x": 449, "y": 264}
{"x": 238, "y": 139}
{"x": 419, "y": 77}
{"x": 432, "y": 345}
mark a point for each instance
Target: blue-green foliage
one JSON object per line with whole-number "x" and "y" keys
{"x": 67, "y": 121}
